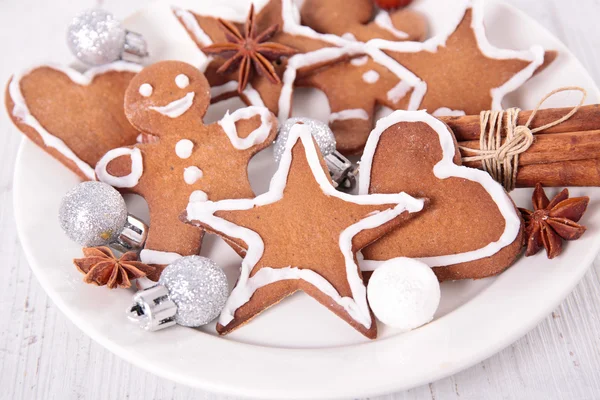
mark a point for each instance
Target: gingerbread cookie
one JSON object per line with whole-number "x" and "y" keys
{"x": 455, "y": 73}
{"x": 188, "y": 160}
{"x": 74, "y": 117}
{"x": 313, "y": 51}
{"x": 471, "y": 228}
{"x": 362, "y": 21}
{"x": 289, "y": 231}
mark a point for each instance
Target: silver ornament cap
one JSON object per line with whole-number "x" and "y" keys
{"x": 320, "y": 131}
{"x": 96, "y": 37}
{"x": 342, "y": 171}
{"x": 199, "y": 288}
{"x": 92, "y": 214}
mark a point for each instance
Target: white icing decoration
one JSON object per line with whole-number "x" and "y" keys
{"x": 145, "y": 89}
{"x": 404, "y": 293}
{"x": 198, "y": 196}
{"x": 355, "y": 113}
{"x": 190, "y": 23}
{"x": 252, "y": 97}
{"x": 370, "y": 76}
{"x": 358, "y": 61}
{"x": 256, "y": 136}
{"x": 184, "y": 148}
{"x": 445, "y": 168}
{"x": 447, "y": 112}
{"x": 349, "y": 36}
{"x": 127, "y": 181}
{"x": 383, "y": 20}
{"x": 140, "y": 138}
{"x": 356, "y": 306}
{"x": 21, "y": 110}
{"x": 177, "y": 107}
{"x": 216, "y": 91}
{"x": 182, "y": 81}
{"x": 148, "y": 256}
{"x": 192, "y": 174}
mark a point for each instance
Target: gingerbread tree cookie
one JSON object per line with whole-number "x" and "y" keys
{"x": 471, "y": 228}
{"x": 301, "y": 235}
{"x": 189, "y": 160}
{"x": 74, "y": 117}
{"x": 455, "y": 73}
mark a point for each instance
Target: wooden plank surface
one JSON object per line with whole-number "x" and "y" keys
{"x": 44, "y": 356}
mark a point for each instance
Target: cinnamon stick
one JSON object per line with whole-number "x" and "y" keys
{"x": 587, "y": 118}
{"x": 571, "y": 146}
{"x": 564, "y": 173}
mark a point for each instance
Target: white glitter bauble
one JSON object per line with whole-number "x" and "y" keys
{"x": 198, "y": 287}
{"x": 92, "y": 214}
{"x": 96, "y": 37}
{"x": 320, "y": 131}
{"x": 404, "y": 293}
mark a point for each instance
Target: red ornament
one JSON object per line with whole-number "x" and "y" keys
{"x": 392, "y": 4}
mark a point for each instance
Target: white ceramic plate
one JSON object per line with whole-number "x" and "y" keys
{"x": 300, "y": 349}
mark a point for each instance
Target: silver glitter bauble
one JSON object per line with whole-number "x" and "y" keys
{"x": 96, "y": 37}
{"x": 92, "y": 214}
{"x": 320, "y": 131}
{"x": 198, "y": 287}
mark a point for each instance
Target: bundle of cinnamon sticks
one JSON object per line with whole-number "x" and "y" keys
{"x": 565, "y": 155}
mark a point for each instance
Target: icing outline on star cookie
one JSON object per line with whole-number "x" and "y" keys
{"x": 445, "y": 168}
{"x": 357, "y": 306}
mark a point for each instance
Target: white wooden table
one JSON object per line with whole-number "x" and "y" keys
{"x": 44, "y": 356}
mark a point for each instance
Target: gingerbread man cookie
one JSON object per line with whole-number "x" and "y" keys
{"x": 301, "y": 235}
{"x": 455, "y": 73}
{"x": 189, "y": 160}
{"x": 74, "y": 117}
{"x": 471, "y": 228}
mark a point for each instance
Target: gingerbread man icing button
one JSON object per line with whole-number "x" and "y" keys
{"x": 168, "y": 100}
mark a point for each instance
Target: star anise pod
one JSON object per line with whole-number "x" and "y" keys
{"x": 248, "y": 50}
{"x": 101, "y": 267}
{"x": 553, "y": 220}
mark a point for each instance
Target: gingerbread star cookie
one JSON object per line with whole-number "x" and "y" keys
{"x": 455, "y": 73}
{"x": 188, "y": 160}
{"x": 74, "y": 117}
{"x": 471, "y": 228}
{"x": 301, "y": 235}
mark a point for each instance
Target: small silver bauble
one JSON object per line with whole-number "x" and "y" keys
{"x": 96, "y": 37}
{"x": 95, "y": 214}
{"x": 191, "y": 291}
{"x": 92, "y": 214}
{"x": 320, "y": 131}
{"x": 342, "y": 171}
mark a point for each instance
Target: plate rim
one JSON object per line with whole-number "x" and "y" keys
{"x": 245, "y": 391}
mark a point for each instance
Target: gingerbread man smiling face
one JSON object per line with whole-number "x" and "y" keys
{"x": 188, "y": 159}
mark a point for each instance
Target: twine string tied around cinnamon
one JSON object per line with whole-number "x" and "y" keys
{"x": 501, "y": 160}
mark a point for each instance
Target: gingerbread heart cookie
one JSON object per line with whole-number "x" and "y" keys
{"x": 291, "y": 230}
{"x": 74, "y": 117}
{"x": 454, "y": 73}
{"x": 471, "y": 228}
{"x": 188, "y": 160}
